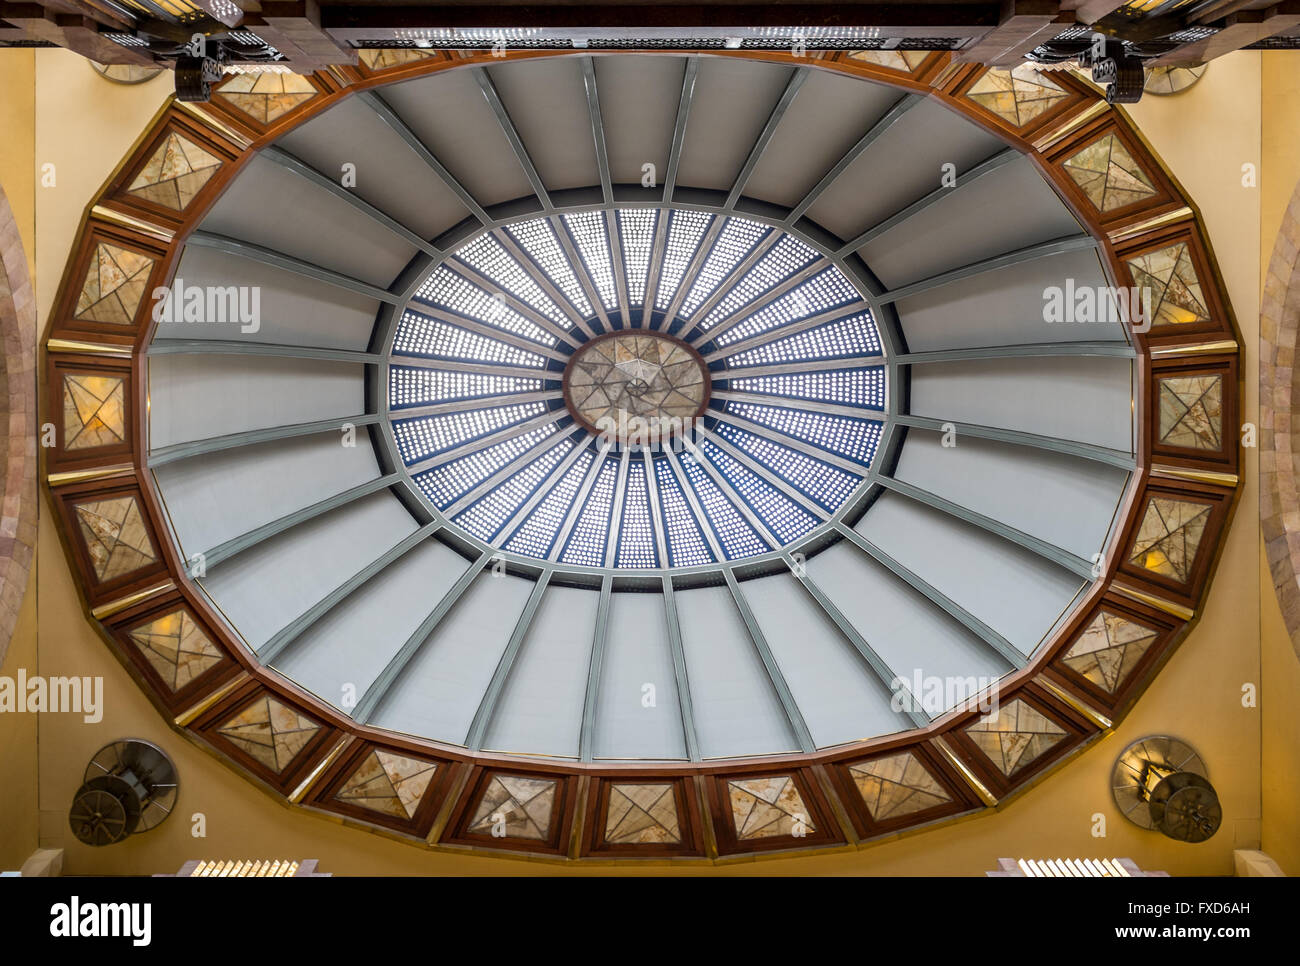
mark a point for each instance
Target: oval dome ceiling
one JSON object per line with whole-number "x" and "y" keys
{"x": 671, "y": 409}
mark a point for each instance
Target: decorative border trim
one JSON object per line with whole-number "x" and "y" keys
{"x": 311, "y": 779}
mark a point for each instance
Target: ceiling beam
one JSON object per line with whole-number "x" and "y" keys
{"x": 797, "y": 77}
{"x": 595, "y": 665}
{"x": 966, "y": 178}
{"x": 1058, "y": 246}
{"x": 597, "y": 128}
{"x": 543, "y": 279}
{"x": 1235, "y": 31}
{"x": 788, "y": 368}
{"x": 1087, "y": 451}
{"x": 996, "y": 642}
{"x": 1037, "y": 350}
{"x": 512, "y": 135}
{"x": 798, "y": 726}
{"x": 475, "y": 368}
{"x": 305, "y": 171}
{"x": 459, "y": 450}
{"x": 807, "y": 405}
{"x": 1041, "y": 548}
{"x": 879, "y": 667}
{"x": 760, "y": 302}
{"x": 788, "y": 329}
{"x": 214, "y": 444}
{"x": 215, "y": 556}
{"x": 227, "y": 347}
{"x": 390, "y": 117}
{"x": 540, "y": 493}
{"x": 276, "y": 646}
{"x": 741, "y": 504}
{"x": 728, "y": 282}
{"x": 580, "y": 271}
{"x": 374, "y": 695}
{"x": 486, "y": 329}
{"x": 883, "y": 124}
{"x": 794, "y": 443}
{"x": 461, "y": 405}
{"x": 487, "y": 706}
{"x": 765, "y": 473}
{"x": 481, "y": 489}
{"x": 1022, "y": 26}
{"x": 579, "y": 503}
{"x": 257, "y": 253}
{"x": 685, "y": 704}
{"x": 476, "y": 278}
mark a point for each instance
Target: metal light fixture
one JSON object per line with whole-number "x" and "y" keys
{"x": 1161, "y": 783}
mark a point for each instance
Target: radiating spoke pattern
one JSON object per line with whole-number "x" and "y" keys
{"x": 749, "y": 368}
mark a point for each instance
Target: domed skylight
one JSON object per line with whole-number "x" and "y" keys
{"x": 637, "y": 388}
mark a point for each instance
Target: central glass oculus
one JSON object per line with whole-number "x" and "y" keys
{"x": 636, "y": 380}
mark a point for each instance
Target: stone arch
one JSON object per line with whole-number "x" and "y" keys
{"x": 1279, "y": 431}
{"x": 18, "y": 416}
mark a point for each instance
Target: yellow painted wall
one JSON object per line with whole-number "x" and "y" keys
{"x": 1197, "y": 697}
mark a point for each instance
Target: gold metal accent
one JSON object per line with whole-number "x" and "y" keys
{"x": 299, "y": 793}
{"x": 1197, "y": 349}
{"x": 1096, "y": 717}
{"x": 1047, "y": 139}
{"x": 941, "y": 80}
{"x": 122, "y": 603}
{"x": 1168, "y": 606}
{"x": 1199, "y": 476}
{"x": 230, "y": 134}
{"x": 977, "y": 786}
{"x": 185, "y": 717}
{"x": 449, "y": 803}
{"x": 135, "y": 224}
{"x": 1151, "y": 224}
{"x": 98, "y": 473}
{"x": 115, "y": 350}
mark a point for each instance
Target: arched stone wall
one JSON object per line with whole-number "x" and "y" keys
{"x": 18, "y": 411}
{"x": 1279, "y": 441}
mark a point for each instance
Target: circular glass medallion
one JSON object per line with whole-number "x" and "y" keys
{"x": 627, "y": 383}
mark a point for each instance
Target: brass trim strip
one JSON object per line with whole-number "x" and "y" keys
{"x": 1168, "y": 606}
{"x": 1195, "y": 349}
{"x": 449, "y": 803}
{"x": 299, "y": 793}
{"x": 1151, "y": 224}
{"x": 122, "y": 603}
{"x": 115, "y": 350}
{"x": 98, "y": 473}
{"x": 240, "y": 141}
{"x": 1096, "y": 717}
{"x": 135, "y": 224}
{"x": 1198, "y": 476}
{"x": 1059, "y": 133}
{"x": 977, "y": 786}
{"x": 185, "y": 717}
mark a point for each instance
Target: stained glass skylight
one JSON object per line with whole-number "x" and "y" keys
{"x": 728, "y": 461}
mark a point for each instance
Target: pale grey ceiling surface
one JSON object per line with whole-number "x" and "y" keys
{"x": 350, "y": 580}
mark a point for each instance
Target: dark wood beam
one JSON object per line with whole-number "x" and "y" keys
{"x": 899, "y": 20}
{"x": 1237, "y": 30}
{"x": 76, "y": 33}
{"x": 295, "y": 30}
{"x": 1024, "y": 24}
